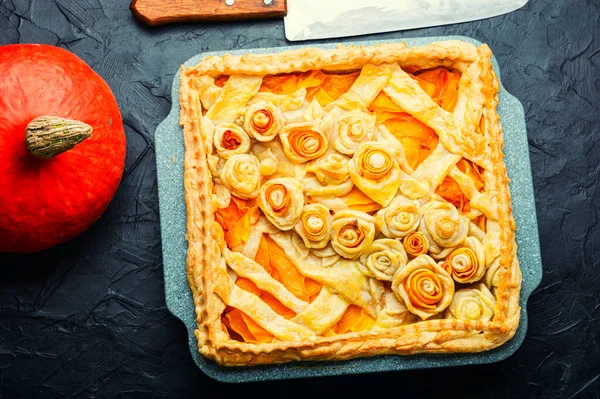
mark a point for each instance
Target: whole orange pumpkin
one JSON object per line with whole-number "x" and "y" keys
{"x": 62, "y": 147}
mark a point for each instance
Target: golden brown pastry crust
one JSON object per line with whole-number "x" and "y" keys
{"x": 476, "y": 109}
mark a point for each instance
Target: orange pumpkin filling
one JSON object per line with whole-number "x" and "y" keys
{"x": 480, "y": 221}
{"x": 244, "y": 327}
{"x": 441, "y": 85}
{"x": 334, "y": 86}
{"x": 290, "y": 82}
{"x": 236, "y": 220}
{"x": 325, "y": 87}
{"x": 221, "y": 80}
{"x": 450, "y": 190}
{"x": 417, "y": 139}
{"x": 355, "y": 319}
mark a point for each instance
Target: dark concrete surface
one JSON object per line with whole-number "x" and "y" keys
{"x": 88, "y": 318}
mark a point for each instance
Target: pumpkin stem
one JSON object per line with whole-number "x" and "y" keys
{"x": 48, "y": 136}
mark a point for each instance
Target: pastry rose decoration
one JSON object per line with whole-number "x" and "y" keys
{"x": 466, "y": 264}
{"x": 263, "y": 121}
{"x": 399, "y": 218}
{"x": 352, "y": 129}
{"x": 268, "y": 166}
{"x": 425, "y": 287}
{"x": 492, "y": 275}
{"x": 314, "y": 226}
{"x": 281, "y": 200}
{"x": 268, "y": 162}
{"x": 383, "y": 259}
{"x": 416, "y": 243}
{"x": 444, "y": 227}
{"x": 331, "y": 176}
{"x": 472, "y": 304}
{"x": 222, "y": 196}
{"x": 230, "y": 139}
{"x": 351, "y": 233}
{"x": 303, "y": 141}
{"x": 241, "y": 175}
{"x": 375, "y": 171}
{"x": 330, "y": 169}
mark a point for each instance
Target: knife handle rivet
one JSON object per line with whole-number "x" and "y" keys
{"x": 230, "y": 2}
{"x": 267, "y": 2}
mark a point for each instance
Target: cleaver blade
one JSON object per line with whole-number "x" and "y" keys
{"x": 324, "y": 19}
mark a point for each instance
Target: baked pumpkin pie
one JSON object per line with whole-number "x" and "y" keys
{"x": 348, "y": 202}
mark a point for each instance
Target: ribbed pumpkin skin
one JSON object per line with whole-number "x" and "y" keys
{"x": 47, "y": 202}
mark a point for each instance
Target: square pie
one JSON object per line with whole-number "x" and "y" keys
{"x": 348, "y": 202}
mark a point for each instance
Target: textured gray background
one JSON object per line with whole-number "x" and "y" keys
{"x": 88, "y": 318}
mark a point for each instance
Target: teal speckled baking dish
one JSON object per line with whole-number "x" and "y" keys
{"x": 169, "y": 159}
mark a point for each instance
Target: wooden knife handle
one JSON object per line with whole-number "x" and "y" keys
{"x": 158, "y": 12}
